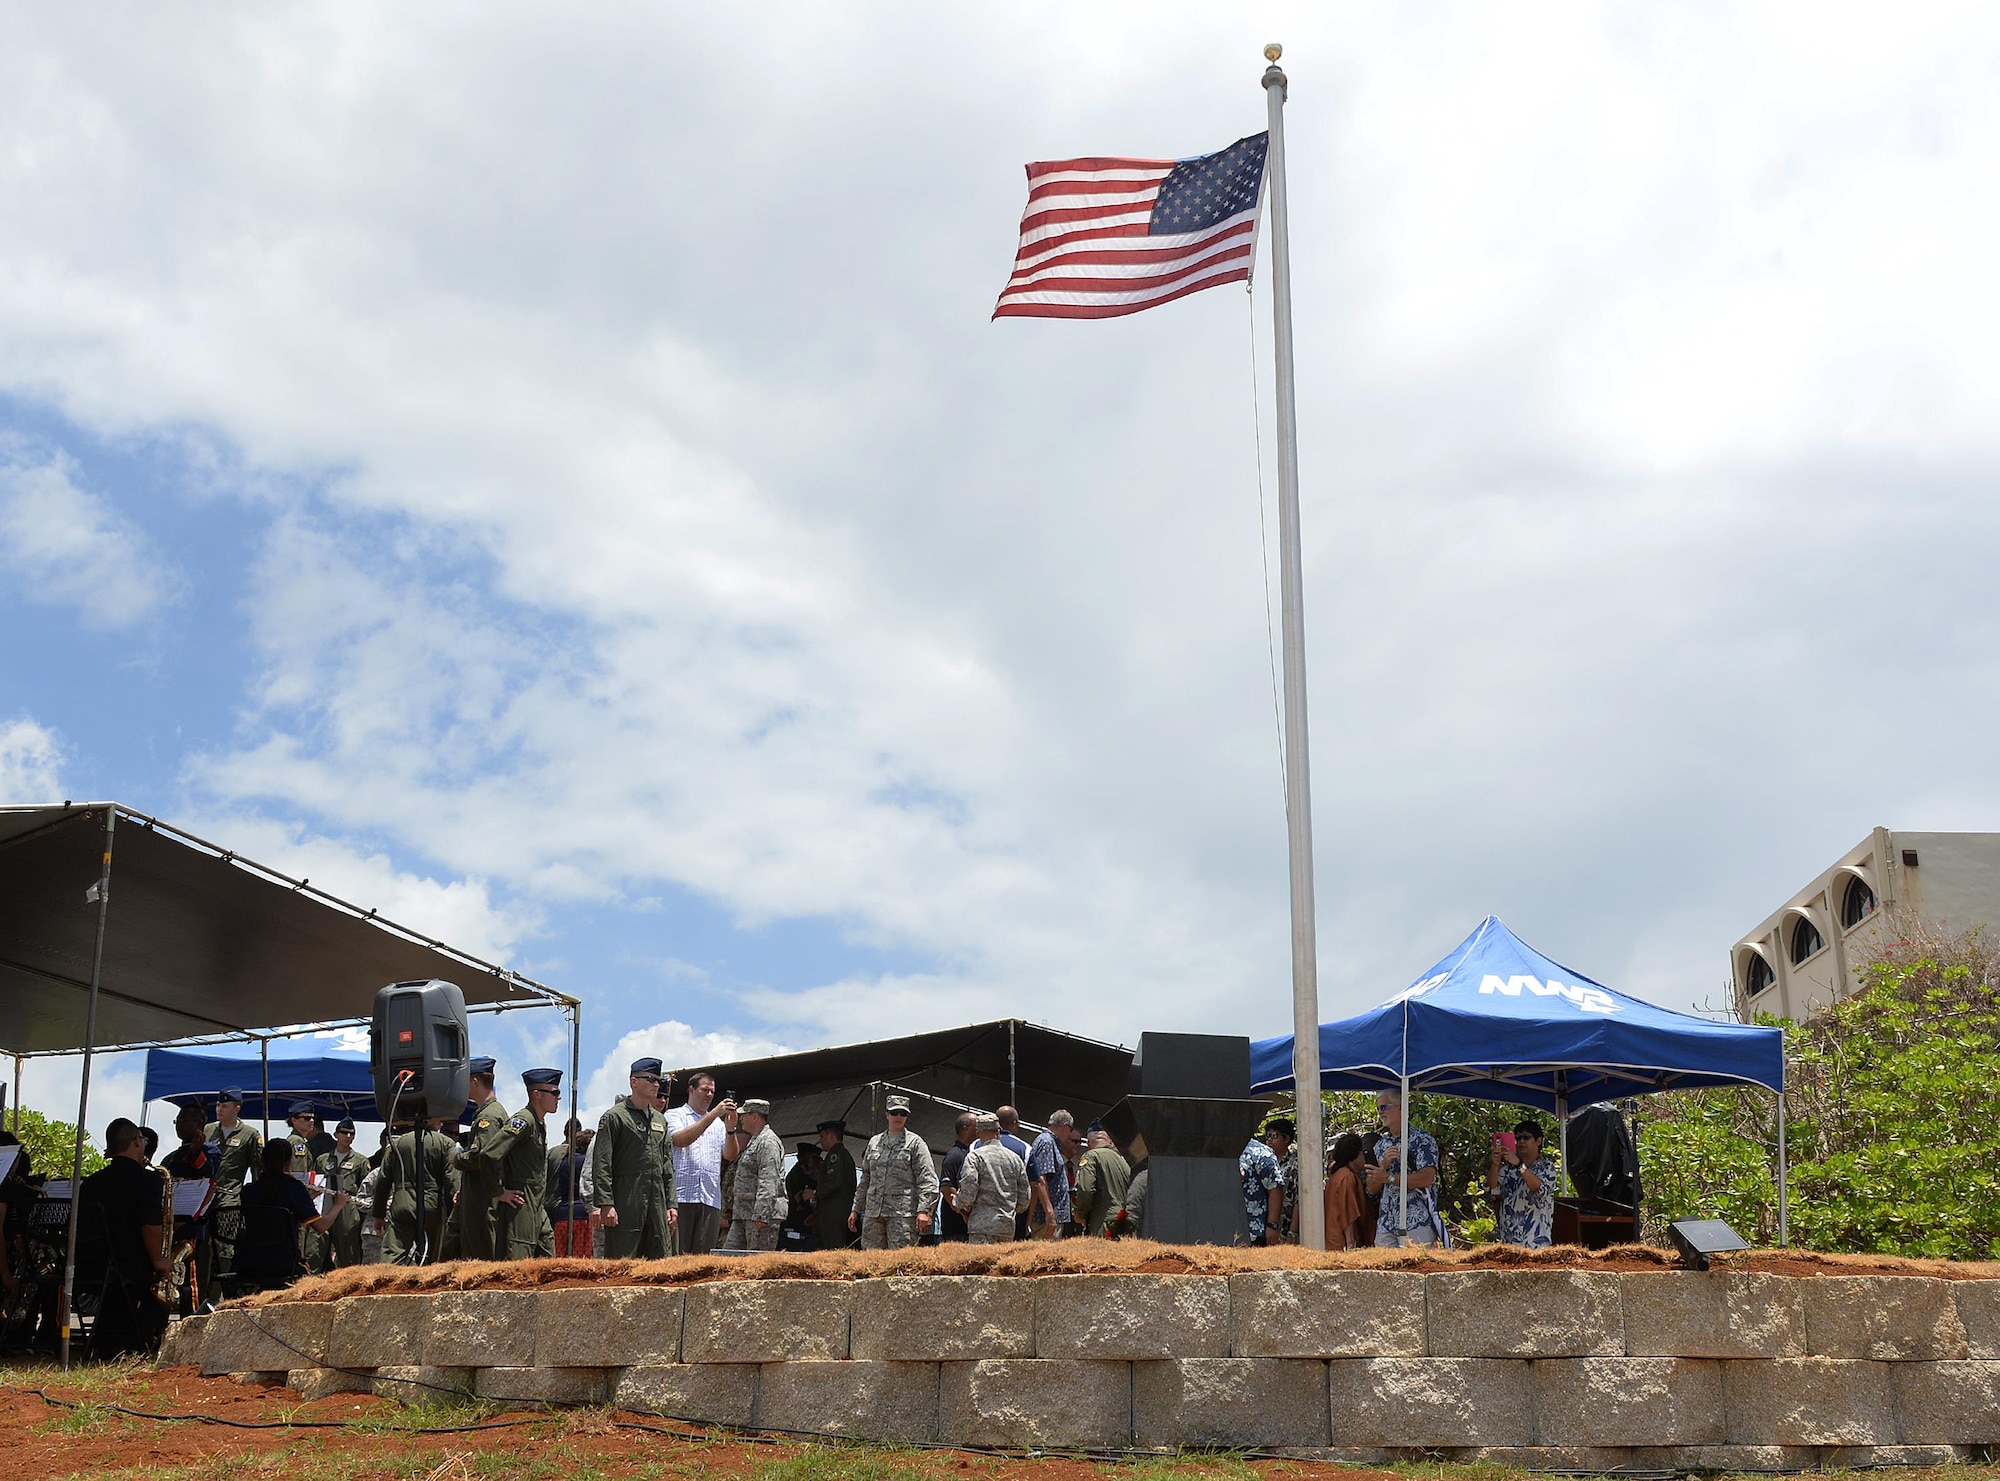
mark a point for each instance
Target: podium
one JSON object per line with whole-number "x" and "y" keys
{"x": 1593, "y": 1223}
{"x": 1188, "y": 1118}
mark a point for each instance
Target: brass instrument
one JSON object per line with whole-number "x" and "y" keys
{"x": 178, "y": 1253}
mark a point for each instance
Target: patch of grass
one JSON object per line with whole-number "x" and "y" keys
{"x": 86, "y": 1418}
{"x": 844, "y": 1463}
{"x": 1184, "y": 1465}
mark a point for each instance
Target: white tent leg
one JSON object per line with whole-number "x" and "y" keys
{"x": 1784, "y": 1225}
{"x": 1562, "y": 1145}
{"x": 1403, "y": 1168}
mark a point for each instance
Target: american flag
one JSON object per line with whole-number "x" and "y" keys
{"x": 1104, "y": 237}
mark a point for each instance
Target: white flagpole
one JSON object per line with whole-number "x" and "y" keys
{"x": 1298, "y": 780}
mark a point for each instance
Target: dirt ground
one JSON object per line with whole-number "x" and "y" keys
{"x": 124, "y": 1423}
{"x": 1075, "y": 1256}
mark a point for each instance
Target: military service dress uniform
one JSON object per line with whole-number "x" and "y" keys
{"x": 759, "y": 1194}
{"x": 898, "y": 1182}
{"x": 632, "y": 1170}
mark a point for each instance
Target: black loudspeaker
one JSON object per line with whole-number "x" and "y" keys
{"x": 419, "y": 1048}
{"x": 1697, "y": 1239}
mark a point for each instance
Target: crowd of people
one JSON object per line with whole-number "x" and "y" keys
{"x": 649, "y": 1181}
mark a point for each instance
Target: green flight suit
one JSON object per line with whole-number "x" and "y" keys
{"x": 515, "y": 1159}
{"x": 1101, "y": 1180}
{"x": 343, "y": 1174}
{"x": 478, "y": 1212}
{"x": 632, "y": 1170}
{"x": 396, "y": 1193}
{"x": 241, "y": 1147}
{"x": 313, "y": 1243}
{"x": 837, "y": 1179}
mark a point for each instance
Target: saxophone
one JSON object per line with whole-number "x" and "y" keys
{"x": 176, "y": 1252}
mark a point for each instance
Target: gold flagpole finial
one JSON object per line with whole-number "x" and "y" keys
{"x": 1273, "y": 52}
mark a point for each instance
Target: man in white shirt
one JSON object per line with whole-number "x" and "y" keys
{"x": 699, "y": 1137}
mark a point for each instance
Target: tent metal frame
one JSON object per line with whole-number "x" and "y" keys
{"x": 534, "y": 995}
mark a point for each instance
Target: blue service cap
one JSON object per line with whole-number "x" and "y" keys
{"x": 346, "y": 1124}
{"x": 299, "y": 1108}
{"x": 542, "y": 1079}
{"x": 230, "y": 1093}
{"x": 647, "y": 1067}
{"x": 481, "y": 1066}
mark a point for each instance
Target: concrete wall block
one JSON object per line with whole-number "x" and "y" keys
{"x": 1882, "y": 1316}
{"x": 1230, "y": 1402}
{"x": 949, "y": 1317}
{"x": 182, "y": 1342}
{"x": 1546, "y": 1457}
{"x": 1629, "y": 1401}
{"x": 1950, "y": 1403}
{"x": 699, "y": 1393}
{"x": 1035, "y": 1401}
{"x": 482, "y": 1329}
{"x": 1978, "y": 1303}
{"x": 1724, "y": 1457}
{"x": 1872, "y": 1457}
{"x": 317, "y": 1383}
{"x": 279, "y": 1338}
{"x": 766, "y": 1321}
{"x": 1327, "y": 1314}
{"x": 422, "y": 1384}
{"x": 859, "y": 1400}
{"x": 1712, "y": 1314}
{"x": 542, "y": 1385}
{"x": 1524, "y": 1313}
{"x": 378, "y": 1331}
{"x": 1131, "y": 1316}
{"x": 1809, "y": 1401}
{"x": 1403, "y": 1403}
{"x": 608, "y": 1326}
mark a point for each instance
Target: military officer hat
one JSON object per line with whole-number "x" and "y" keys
{"x": 808, "y": 1147}
{"x": 229, "y": 1093}
{"x": 648, "y": 1067}
{"x": 346, "y": 1124}
{"x": 899, "y": 1103}
{"x": 758, "y": 1107}
{"x": 299, "y": 1108}
{"x": 482, "y": 1066}
{"x": 542, "y": 1079}
{"x": 839, "y": 1126}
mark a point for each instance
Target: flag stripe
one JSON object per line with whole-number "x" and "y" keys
{"x": 1103, "y": 236}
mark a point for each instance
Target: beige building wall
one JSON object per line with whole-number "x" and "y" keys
{"x": 1809, "y": 951}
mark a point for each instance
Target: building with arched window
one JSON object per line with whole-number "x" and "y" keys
{"x": 1810, "y": 951}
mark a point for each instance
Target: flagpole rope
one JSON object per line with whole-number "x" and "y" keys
{"x": 1264, "y": 539}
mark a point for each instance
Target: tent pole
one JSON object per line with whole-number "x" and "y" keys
{"x": 1563, "y": 1179}
{"x": 576, "y": 1114}
{"x": 1013, "y": 1091}
{"x": 17, "y": 1095}
{"x": 1403, "y": 1167}
{"x": 1784, "y": 1226}
{"x": 264, "y": 1056}
{"x": 103, "y": 894}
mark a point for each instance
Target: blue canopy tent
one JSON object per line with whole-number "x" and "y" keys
{"x": 337, "y": 1081}
{"x": 1497, "y": 1020}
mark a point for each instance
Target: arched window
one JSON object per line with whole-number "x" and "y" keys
{"x": 1806, "y": 940}
{"x": 1857, "y": 903}
{"x": 1757, "y": 977}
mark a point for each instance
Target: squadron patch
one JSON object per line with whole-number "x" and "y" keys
{"x": 519, "y": 1123}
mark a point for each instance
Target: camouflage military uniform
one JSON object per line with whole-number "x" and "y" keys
{"x": 515, "y": 1159}
{"x": 478, "y": 1213}
{"x": 992, "y": 1191}
{"x": 758, "y": 1195}
{"x": 898, "y": 1181}
{"x": 344, "y": 1173}
{"x": 396, "y": 1193}
{"x": 632, "y": 1170}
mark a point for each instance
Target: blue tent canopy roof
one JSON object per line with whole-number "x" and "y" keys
{"x": 1497, "y": 1020}
{"x": 337, "y": 1083}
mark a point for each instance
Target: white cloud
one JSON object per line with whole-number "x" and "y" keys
{"x": 65, "y": 546}
{"x": 676, "y": 1046}
{"x": 678, "y": 517}
{"x": 31, "y": 760}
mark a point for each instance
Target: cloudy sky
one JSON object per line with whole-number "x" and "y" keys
{"x": 552, "y": 476}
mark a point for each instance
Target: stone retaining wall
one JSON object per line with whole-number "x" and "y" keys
{"x": 1561, "y": 1368}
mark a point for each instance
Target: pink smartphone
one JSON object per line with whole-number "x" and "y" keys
{"x": 1504, "y": 1139}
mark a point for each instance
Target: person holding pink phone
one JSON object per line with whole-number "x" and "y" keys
{"x": 1524, "y": 1181}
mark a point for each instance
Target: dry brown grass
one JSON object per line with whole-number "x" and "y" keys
{"x": 1070, "y": 1257}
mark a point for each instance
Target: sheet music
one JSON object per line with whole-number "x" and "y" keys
{"x": 56, "y": 1190}
{"x": 8, "y": 1157}
{"x": 191, "y": 1197}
